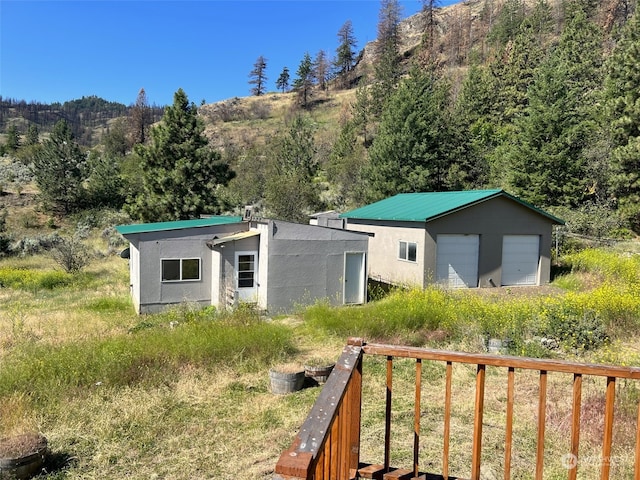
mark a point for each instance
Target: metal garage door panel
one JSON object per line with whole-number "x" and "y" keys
{"x": 457, "y": 260}
{"x": 520, "y": 259}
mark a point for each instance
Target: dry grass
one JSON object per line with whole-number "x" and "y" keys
{"x": 558, "y": 418}
{"x": 70, "y": 314}
{"x": 224, "y": 423}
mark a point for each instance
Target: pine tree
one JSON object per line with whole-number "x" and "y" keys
{"x": 32, "y": 137}
{"x": 345, "y": 53}
{"x": 283, "y": 80}
{"x": 105, "y": 186}
{"x": 508, "y": 22}
{"x": 623, "y": 112}
{"x": 304, "y": 81}
{"x": 412, "y": 151}
{"x": 549, "y": 163}
{"x": 387, "y": 65}
{"x": 429, "y": 8}
{"x": 290, "y": 192}
{"x": 258, "y": 77}
{"x": 59, "y": 168}
{"x": 140, "y": 118}
{"x": 321, "y": 66}
{"x": 13, "y": 139}
{"x": 345, "y": 166}
{"x": 180, "y": 171}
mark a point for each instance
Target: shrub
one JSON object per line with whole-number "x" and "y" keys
{"x": 35, "y": 245}
{"x": 71, "y": 254}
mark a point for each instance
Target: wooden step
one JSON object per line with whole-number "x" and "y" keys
{"x": 398, "y": 474}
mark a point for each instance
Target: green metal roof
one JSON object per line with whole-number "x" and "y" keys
{"x": 177, "y": 225}
{"x": 427, "y": 206}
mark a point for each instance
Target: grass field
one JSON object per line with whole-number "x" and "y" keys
{"x": 185, "y": 394}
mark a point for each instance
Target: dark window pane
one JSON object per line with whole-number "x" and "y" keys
{"x": 191, "y": 269}
{"x": 245, "y": 279}
{"x": 412, "y": 255}
{"x": 170, "y": 270}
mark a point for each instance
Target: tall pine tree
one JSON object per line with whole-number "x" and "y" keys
{"x": 304, "y": 81}
{"x": 180, "y": 171}
{"x": 548, "y": 157}
{"x": 59, "y": 168}
{"x": 623, "y": 108}
{"x": 413, "y": 149}
{"x": 290, "y": 192}
{"x": 258, "y": 77}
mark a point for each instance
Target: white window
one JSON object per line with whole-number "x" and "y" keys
{"x": 408, "y": 251}
{"x": 180, "y": 269}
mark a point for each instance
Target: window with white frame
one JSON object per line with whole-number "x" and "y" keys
{"x": 180, "y": 269}
{"x": 408, "y": 251}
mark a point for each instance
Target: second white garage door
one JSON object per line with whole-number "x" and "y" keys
{"x": 457, "y": 260}
{"x": 520, "y": 258}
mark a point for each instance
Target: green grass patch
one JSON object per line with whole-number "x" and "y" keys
{"x": 109, "y": 305}
{"x": 607, "y": 264}
{"x": 30, "y": 280}
{"x": 150, "y": 356}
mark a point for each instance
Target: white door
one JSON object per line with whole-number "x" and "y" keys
{"x": 457, "y": 260}
{"x": 520, "y": 259}
{"x": 247, "y": 276}
{"x": 354, "y": 278}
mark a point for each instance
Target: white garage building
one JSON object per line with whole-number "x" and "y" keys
{"x": 478, "y": 238}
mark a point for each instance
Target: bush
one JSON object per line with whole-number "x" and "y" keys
{"x": 35, "y": 245}
{"x": 71, "y": 254}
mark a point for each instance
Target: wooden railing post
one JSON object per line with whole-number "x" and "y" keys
{"x": 477, "y": 423}
{"x": 328, "y": 444}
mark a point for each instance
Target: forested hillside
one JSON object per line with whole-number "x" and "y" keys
{"x": 538, "y": 97}
{"x": 88, "y": 117}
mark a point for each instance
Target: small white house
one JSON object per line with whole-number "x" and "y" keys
{"x": 225, "y": 260}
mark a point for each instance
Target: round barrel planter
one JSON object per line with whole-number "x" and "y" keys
{"x": 286, "y": 379}
{"x": 320, "y": 373}
{"x": 22, "y": 456}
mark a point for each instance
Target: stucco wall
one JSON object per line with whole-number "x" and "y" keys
{"x": 384, "y": 264}
{"x": 492, "y": 220}
{"x": 306, "y": 263}
{"x": 186, "y": 243}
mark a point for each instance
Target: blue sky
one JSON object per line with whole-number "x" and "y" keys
{"x": 54, "y": 51}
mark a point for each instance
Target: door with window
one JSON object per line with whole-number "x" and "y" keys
{"x": 247, "y": 276}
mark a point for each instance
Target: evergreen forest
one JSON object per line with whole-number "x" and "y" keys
{"x": 537, "y": 97}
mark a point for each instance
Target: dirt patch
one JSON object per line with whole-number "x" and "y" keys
{"x": 501, "y": 293}
{"x": 22, "y": 445}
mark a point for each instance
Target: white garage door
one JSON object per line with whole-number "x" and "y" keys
{"x": 457, "y": 260}
{"x": 520, "y": 258}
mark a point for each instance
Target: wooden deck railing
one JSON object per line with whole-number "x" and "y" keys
{"x": 327, "y": 446}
